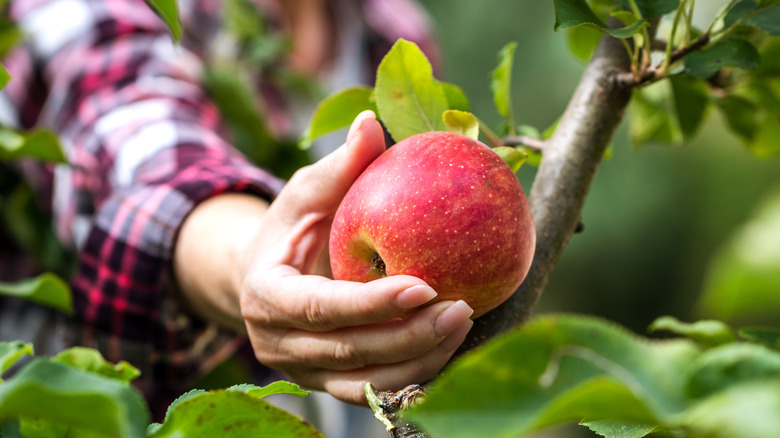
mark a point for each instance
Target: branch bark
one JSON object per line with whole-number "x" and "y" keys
{"x": 570, "y": 159}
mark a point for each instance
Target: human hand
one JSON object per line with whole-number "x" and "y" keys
{"x": 337, "y": 335}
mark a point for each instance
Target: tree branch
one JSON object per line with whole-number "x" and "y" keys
{"x": 535, "y": 144}
{"x": 570, "y": 159}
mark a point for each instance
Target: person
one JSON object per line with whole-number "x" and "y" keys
{"x": 186, "y": 251}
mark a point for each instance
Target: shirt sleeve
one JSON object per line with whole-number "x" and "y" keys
{"x": 144, "y": 146}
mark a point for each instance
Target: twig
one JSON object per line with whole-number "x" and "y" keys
{"x": 535, "y": 144}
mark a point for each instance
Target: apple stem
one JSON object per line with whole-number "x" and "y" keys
{"x": 378, "y": 265}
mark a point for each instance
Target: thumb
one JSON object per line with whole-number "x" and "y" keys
{"x": 321, "y": 186}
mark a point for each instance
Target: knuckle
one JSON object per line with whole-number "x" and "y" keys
{"x": 346, "y": 356}
{"x": 315, "y": 314}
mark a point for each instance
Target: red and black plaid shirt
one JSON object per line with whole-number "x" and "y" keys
{"x": 144, "y": 146}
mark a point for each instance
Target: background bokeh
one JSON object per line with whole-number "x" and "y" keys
{"x": 655, "y": 215}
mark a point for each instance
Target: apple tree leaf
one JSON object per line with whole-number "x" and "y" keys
{"x": 732, "y": 52}
{"x": 731, "y": 365}
{"x": 691, "y": 100}
{"x": 571, "y": 13}
{"x": 462, "y": 123}
{"x": 40, "y": 144}
{"x": 616, "y": 429}
{"x": 48, "y": 396}
{"x": 47, "y": 289}
{"x": 337, "y": 111}
{"x": 11, "y": 352}
{"x": 456, "y": 98}
{"x": 229, "y": 414}
{"x": 765, "y": 17}
{"x": 769, "y": 336}
{"x": 557, "y": 368}
{"x": 741, "y": 115}
{"x": 169, "y": 13}
{"x": 89, "y": 359}
{"x": 653, "y": 117}
{"x": 501, "y": 82}
{"x": 739, "y": 11}
{"x": 582, "y": 41}
{"x": 409, "y": 99}
{"x": 273, "y": 388}
{"x": 747, "y": 410}
{"x": 514, "y": 157}
{"x": 652, "y": 8}
{"x": 709, "y": 333}
{"x": 744, "y": 275}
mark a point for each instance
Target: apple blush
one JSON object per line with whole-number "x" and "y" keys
{"x": 441, "y": 207}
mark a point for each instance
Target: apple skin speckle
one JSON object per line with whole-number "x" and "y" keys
{"x": 417, "y": 208}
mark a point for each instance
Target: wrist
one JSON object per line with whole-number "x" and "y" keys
{"x": 211, "y": 255}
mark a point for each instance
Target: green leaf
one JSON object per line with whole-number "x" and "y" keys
{"x": 769, "y": 336}
{"x": 653, "y": 116}
{"x": 731, "y": 365}
{"x": 691, "y": 101}
{"x": 742, "y": 411}
{"x": 733, "y": 52}
{"x": 767, "y": 139}
{"x": 4, "y": 77}
{"x": 11, "y": 352}
{"x": 582, "y": 41}
{"x": 47, "y": 289}
{"x": 556, "y": 368}
{"x": 338, "y": 111}
{"x": 766, "y": 19}
{"x": 708, "y": 333}
{"x": 570, "y": 13}
{"x": 501, "y": 81}
{"x": 615, "y": 429}
{"x": 230, "y": 414}
{"x": 278, "y": 387}
{"x": 514, "y": 157}
{"x": 88, "y": 359}
{"x": 59, "y": 396}
{"x": 39, "y": 144}
{"x": 741, "y": 115}
{"x": 739, "y": 11}
{"x": 461, "y": 122}
{"x": 456, "y": 98}
{"x": 409, "y": 99}
{"x": 744, "y": 275}
{"x": 653, "y": 8}
{"x": 169, "y": 12}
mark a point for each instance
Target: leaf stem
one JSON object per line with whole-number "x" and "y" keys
{"x": 493, "y": 139}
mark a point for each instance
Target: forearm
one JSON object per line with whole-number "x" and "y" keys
{"x": 210, "y": 255}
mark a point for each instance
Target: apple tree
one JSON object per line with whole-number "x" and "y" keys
{"x": 649, "y": 67}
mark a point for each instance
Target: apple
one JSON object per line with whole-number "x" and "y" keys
{"x": 444, "y": 208}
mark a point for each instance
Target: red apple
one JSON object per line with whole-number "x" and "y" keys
{"x": 442, "y": 207}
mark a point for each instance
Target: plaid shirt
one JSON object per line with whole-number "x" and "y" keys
{"x": 144, "y": 146}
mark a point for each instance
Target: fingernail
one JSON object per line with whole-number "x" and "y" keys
{"x": 414, "y": 296}
{"x": 451, "y": 318}
{"x": 368, "y": 114}
{"x": 455, "y": 338}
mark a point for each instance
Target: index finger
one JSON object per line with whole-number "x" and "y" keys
{"x": 315, "y": 303}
